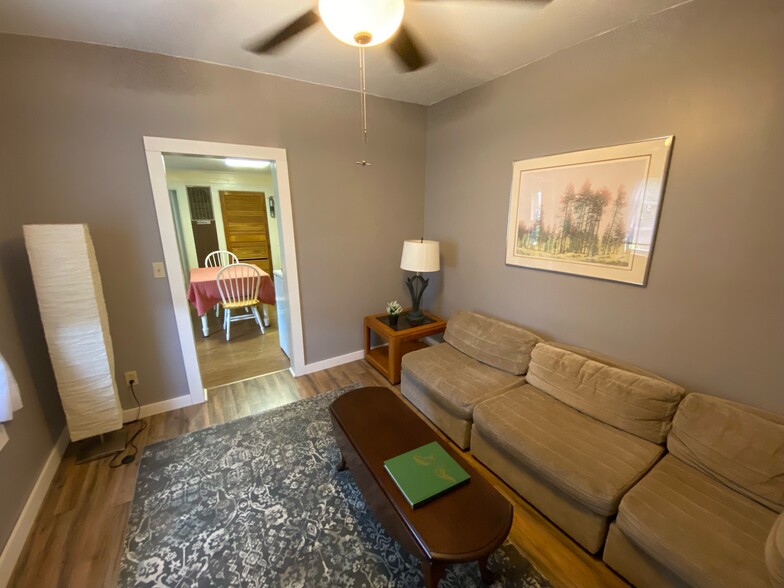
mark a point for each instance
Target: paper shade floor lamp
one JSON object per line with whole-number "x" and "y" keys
{"x": 419, "y": 256}
{"x": 73, "y": 313}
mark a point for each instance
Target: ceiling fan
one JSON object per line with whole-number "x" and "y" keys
{"x": 359, "y": 23}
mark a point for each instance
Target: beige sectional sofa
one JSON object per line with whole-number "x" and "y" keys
{"x": 576, "y": 437}
{"x": 481, "y": 357}
{"x": 705, "y": 514}
{"x": 679, "y": 490}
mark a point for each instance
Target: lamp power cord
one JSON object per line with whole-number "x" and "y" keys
{"x": 130, "y": 451}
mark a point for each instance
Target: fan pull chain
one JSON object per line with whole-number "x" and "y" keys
{"x": 363, "y": 107}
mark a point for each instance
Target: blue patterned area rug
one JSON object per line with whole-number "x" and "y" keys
{"x": 257, "y": 502}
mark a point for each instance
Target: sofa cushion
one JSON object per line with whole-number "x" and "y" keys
{"x": 634, "y": 402}
{"x": 774, "y": 552}
{"x": 456, "y": 381}
{"x": 739, "y": 445}
{"x": 607, "y": 360}
{"x": 592, "y": 462}
{"x": 697, "y": 527}
{"x": 492, "y": 341}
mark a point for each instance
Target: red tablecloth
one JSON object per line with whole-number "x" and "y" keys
{"x": 203, "y": 288}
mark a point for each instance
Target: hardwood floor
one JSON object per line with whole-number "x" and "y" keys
{"x": 248, "y": 354}
{"x": 77, "y": 538}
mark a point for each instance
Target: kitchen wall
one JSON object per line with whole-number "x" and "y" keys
{"x": 710, "y": 72}
{"x": 73, "y": 117}
{"x": 179, "y": 180}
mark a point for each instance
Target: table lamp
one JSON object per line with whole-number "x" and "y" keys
{"x": 418, "y": 256}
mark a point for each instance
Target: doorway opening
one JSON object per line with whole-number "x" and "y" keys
{"x": 222, "y": 205}
{"x": 225, "y": 210}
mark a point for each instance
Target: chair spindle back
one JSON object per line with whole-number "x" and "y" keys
{"x": 239, "y": 282}
{"x": 220, "y": 258}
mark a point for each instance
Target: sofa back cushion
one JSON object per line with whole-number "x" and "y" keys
{"x": 739, "y": 445}
{"x": 492, "y": 341}
{"x": 633, "y": 401}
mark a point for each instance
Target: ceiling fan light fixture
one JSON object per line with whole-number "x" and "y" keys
{"x": 362, "y": 23}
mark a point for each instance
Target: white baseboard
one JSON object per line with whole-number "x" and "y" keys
{"x": 331, "y": 362}
{"x": 13, "y": 548}
{"x": 341, "y": 359}
{"x": 157, "y": 408}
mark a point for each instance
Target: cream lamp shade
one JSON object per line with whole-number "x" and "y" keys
{"x": 420, "y": 256}
{"x": 76, "y": 325}
{"x": 362, "y": 23}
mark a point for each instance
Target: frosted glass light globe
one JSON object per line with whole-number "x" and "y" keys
{"x": 362, "y": 23}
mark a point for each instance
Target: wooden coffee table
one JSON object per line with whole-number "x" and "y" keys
{"x": 466, "y": 524}
{"x": 401, "y": 339}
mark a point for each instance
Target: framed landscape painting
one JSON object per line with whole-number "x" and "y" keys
{"x": 589, "y": 213}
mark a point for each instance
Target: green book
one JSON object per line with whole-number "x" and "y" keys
{"x": 425, "y": 473}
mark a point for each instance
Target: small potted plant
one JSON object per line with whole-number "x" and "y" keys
{"x": 393, "y": 310}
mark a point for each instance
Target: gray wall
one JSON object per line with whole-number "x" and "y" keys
{"x": 74, "y": 122}
{"x": 72, "y": 119}
{"x": 710, "y": 72}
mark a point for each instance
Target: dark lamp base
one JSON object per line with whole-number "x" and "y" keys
{"x": 416, "y": 287}
{"x": 100, "y": 446}
{"x": 415, "y": 316}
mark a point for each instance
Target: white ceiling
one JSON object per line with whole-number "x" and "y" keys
{"x": 473, "y": 41}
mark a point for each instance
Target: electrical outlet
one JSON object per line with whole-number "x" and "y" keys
{"x": 131, "y": 377}
{"x": 158, "y": 269}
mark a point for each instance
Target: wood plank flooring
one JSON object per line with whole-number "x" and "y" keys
{"x": 248, "y": 354}
{"x": 78, "y": 536}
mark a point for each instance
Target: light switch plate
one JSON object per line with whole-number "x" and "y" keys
{"x": 158, "y": 269}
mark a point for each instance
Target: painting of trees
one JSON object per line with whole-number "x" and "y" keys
{"x": 590, "y": 226}
{"x": 591, "y": 213}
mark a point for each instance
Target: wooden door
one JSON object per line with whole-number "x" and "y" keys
{"x": 246, "y": 228}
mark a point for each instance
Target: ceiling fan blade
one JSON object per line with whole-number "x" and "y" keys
{"x": 269, "y": 44}
{"x": 403, "y": 45}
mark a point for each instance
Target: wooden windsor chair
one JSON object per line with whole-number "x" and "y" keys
{"x": 220, "y": 258}
{"x": 239, "y": 285}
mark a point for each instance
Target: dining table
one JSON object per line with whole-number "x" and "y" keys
{"x": 203, "y": 293}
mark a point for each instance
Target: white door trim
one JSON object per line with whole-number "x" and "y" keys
{"x": 154, "y": 148}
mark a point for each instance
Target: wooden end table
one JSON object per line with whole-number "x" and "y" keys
{"x": 402, "y": 339}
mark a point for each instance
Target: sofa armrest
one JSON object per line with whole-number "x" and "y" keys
{"x": 774, "y": 552}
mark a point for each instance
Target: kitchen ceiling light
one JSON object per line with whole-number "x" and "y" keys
{"x": 250, "y": 163}
{"x": 362, "y": 23}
